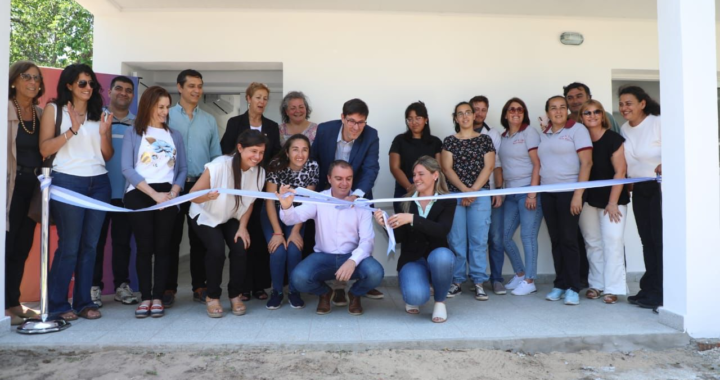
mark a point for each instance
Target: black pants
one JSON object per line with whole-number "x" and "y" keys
{"x": 215, "y": 239}
{"x": 584, "y": 263}
{"x": 153, "y": 231}
{"x": 563, "y": 230}
{"x": 647, "y": 206}
{"x": 121, "y": 233}
{"x": 257, "y": 276}
{"x": 19, "y": 238}
{"x": 197, "y": 249}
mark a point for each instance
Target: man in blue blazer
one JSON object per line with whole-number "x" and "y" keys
{"x": 352, "y": 140}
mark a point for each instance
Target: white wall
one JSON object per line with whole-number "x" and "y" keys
{"x": 392, "y": 59}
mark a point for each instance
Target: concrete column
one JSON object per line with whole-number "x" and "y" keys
{"x": 691, "y": 186}
{"x": 4, "y": 68}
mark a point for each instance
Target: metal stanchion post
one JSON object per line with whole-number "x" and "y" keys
{"x": 45, "y": 324}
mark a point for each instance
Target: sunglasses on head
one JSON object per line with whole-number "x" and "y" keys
{"x": 84, "y": 83}
{"x": 596, "y": 112}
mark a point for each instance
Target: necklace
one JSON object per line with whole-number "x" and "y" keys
{"x": 22, "y": 123}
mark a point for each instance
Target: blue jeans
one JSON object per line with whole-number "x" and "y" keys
{"x": 281, "y": 257}
{"x": 517, "y": 215}
{"x": 78, "y": 232}
{"x": 497, "y": 247}
{"x": 310, "y": 275}
{"x": 468, "y": 238}
{"x": 415, "y": 277}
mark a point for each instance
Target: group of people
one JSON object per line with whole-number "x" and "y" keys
{"x": 137, "y": 161}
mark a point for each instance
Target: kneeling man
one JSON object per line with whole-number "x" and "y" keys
{"x": 344, "y": 241}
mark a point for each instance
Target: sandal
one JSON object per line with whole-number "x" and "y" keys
{"x": 412, "y": 309}
{"x": 247, "y": 296}
{"x": 214, "y": 309}
{"x": 593, "y": 294}
{"x": 439, "y": 313}
{"x": 69, "y": 316}
{"x": 90, "y": 313}
{"x": 238, "y": 307}
{"x": 610, "y": 299}
{"x": 260, "y": 294}
{"x": 142, "y": 311}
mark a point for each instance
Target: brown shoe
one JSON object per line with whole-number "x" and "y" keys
{"x": 323, "y": 306}
{"x": 339, "y": 298}
{"x": 375, "y": 294}
{"x": 355, "y": 307}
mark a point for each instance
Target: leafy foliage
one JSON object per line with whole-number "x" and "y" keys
{"x": 52, "y": 33}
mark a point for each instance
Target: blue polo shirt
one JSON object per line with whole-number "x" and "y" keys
{"x": 117, "y": 180}
{"x": 200, "y": 136}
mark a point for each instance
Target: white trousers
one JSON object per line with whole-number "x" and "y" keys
{"x": 604, "y": 242}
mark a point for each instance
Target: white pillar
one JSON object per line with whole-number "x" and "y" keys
{"x": 4, "y": 68}
{"x": 691, "y": 186}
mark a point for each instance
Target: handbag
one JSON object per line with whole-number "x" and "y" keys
{"x": 35, "y": 210}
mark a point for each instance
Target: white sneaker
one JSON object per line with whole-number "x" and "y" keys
{"x": 524, "y": 289}
{"x": 125, "y": 294}
{"x": 95, "y": 294}
{"x": 515, "y": 282}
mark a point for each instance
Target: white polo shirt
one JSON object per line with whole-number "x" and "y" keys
{"x": 558, "y": 152}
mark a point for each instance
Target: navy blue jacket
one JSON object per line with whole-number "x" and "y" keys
{"x": 364, "y": 156}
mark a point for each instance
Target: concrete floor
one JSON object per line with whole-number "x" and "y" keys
{"x": 528, "y": 323}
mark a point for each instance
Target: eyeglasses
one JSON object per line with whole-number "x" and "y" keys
{"x": 353, "y": 123}
{"x": 84, "y": 83}
{"x": 417, "y": 119}
{"x": 596, "y": 113}
{"x": 27, "y": 77}
{"x": 466, "y": 113}
{"x": 518, "y": 110}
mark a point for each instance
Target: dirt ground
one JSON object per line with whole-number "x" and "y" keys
{"x": 680, "y": 364}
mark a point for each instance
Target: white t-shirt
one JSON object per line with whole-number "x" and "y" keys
{"x": 82, "y": 154}
{"x": 156, "y": 157}
{"x": 497, "y": 140}
{"x": 220, "y": 210}
{"x": 643, "y": 151}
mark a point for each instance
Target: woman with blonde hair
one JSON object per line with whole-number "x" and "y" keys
{"x": 422, "y": 229}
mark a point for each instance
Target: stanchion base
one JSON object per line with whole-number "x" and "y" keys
{"x": 37, "y": 326}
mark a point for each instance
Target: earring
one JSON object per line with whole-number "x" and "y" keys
{"x": 13, "y": 86}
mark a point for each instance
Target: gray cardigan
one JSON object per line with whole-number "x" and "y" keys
{"x": 130, "y": 149}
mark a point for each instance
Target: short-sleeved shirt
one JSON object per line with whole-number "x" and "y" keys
{"x": 643, "y": 147}
{"x": 602, "y": 168}
{"x": 156, "y": 157}
{"x": 558, "y": 152}
{"x": 412, "y": 149}
{"x": 309, "y": 132}
{"x": 515, "y": 154}
{"x": 468, "y": 158}
{"x": 308, "y": 175}
{"x": 497, "y": 140}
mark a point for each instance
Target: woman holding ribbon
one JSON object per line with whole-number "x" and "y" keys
{"x": 468, "y": 159}
{"x": 565, "y": 153}
{"x": 406, "y": 148}
{"x": 643, "y": 140}
{"x": 80, "y": 150}
{"x": 154, "y": 165}
{"x": 222, "y": 219}
{"x": 518, "y": 151}
{"x": 285, "y": 243}
{"x": 23, "y": 158}
{"x": 602, "y": 221}
{"x": 422, "y": 229}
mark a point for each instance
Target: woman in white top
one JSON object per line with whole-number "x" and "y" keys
{"x": 643, "y": 155}
{"x": 80, "y": 151}
{"x": 220, "y": 219}
{"x": 154, "y": 164}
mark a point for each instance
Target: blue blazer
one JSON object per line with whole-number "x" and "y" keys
{"x": 364, "y": 156}
{"x": 130, "y": 149}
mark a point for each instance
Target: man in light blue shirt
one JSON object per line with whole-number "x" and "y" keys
{"x": 122, "y": 93}
{"x": 202, "y": 144}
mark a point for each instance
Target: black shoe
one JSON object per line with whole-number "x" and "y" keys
{"x": 648, "y": 304}
{"x": 634, "y": 299}
{"x": 168, "y": 299}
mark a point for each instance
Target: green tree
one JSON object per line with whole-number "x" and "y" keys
{"x": 52, "y": 33}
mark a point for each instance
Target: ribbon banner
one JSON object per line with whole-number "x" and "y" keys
{"x": 302, "y": 195}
